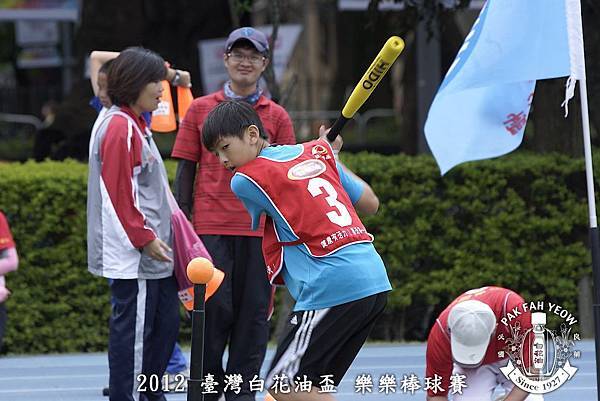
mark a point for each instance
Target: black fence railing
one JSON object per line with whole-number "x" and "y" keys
{"x": 28, "y": 100}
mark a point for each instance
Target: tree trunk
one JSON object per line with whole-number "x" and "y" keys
{"x": 591, "y": 33}
{"x": 404, "y": 107}
{"x": 551, "y": 131}
{"x": 585, "y": 311}
{"x": 269, "y": 73}
{"x": 313, "y": 63}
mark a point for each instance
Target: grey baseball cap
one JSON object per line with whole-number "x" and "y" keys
{"x": 256, "y": 37}
{"x": 471, "y": 325}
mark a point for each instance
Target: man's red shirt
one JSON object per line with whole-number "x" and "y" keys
{"x": 439, "y": 355}
{"x": 216, "y": 209}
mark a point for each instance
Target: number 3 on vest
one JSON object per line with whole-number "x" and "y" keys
{"x": 316, "y": 186}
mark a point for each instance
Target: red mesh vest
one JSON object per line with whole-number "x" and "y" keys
{"x": 308, "y": 194}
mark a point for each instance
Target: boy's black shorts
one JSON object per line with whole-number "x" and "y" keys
{"x": 322, "y": 344}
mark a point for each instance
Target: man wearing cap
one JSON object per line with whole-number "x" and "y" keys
{"x": 237, "y": 314}
{"x": 468, "y": 339}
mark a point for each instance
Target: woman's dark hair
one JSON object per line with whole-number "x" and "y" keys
{"x": 229, "y": 118}
{"x": 131, "y": 71}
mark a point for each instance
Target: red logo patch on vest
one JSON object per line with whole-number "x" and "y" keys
{"x": 319, "y": 151}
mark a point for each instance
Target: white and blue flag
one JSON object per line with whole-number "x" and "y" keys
{"x": 481, "y": 108}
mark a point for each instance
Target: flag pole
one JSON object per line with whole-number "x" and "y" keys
{"x": 594, "y": 234}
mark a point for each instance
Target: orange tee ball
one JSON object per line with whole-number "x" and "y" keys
{"x": 200, "y": 270}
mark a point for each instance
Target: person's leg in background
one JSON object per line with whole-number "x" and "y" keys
{"x": 177, "y": 366}
{"x": 3, "y": 319}
{"x": 219, "y": 311}
{"x": 177, "y": 363}
{"x": 251, "y": 299}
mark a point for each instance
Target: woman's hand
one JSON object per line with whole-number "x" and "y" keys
{"x": 157, "y": 249}
{"x": 4, "y": 294}
{"x": 184, "y": 78}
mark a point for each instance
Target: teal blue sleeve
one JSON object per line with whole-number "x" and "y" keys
{"x": 353, "y": 187}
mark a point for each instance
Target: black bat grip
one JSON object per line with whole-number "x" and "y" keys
{"x": 336, "y": 128}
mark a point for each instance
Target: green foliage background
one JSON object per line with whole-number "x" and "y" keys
{"x": 518, "y": 222}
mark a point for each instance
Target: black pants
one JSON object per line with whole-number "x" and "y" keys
{"x": 321, "y": 344}
{"x": 2, "y": 322}
{"x": 143, "y": 330}
{"x": 237, "y": 313}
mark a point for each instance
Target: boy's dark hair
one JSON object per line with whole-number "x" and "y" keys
{"x": 104, "y": 67}
{"x": 131, "y": 71}
{"x": 229, "y": 118}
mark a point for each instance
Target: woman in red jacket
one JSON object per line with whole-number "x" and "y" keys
{"x": 8, "y": 262}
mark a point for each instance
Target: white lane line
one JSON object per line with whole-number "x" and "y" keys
{"x": 44, "y": 377}
{"x": 39, "y": 390}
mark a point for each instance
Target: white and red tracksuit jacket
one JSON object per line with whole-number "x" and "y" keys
{"x": 127, "y": 205}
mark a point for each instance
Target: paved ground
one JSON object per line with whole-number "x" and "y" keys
{"x": 80, "y": 377}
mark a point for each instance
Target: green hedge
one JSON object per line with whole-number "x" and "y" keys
{"x": 518, "y": 221}
{"x": 56, "y": 305}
